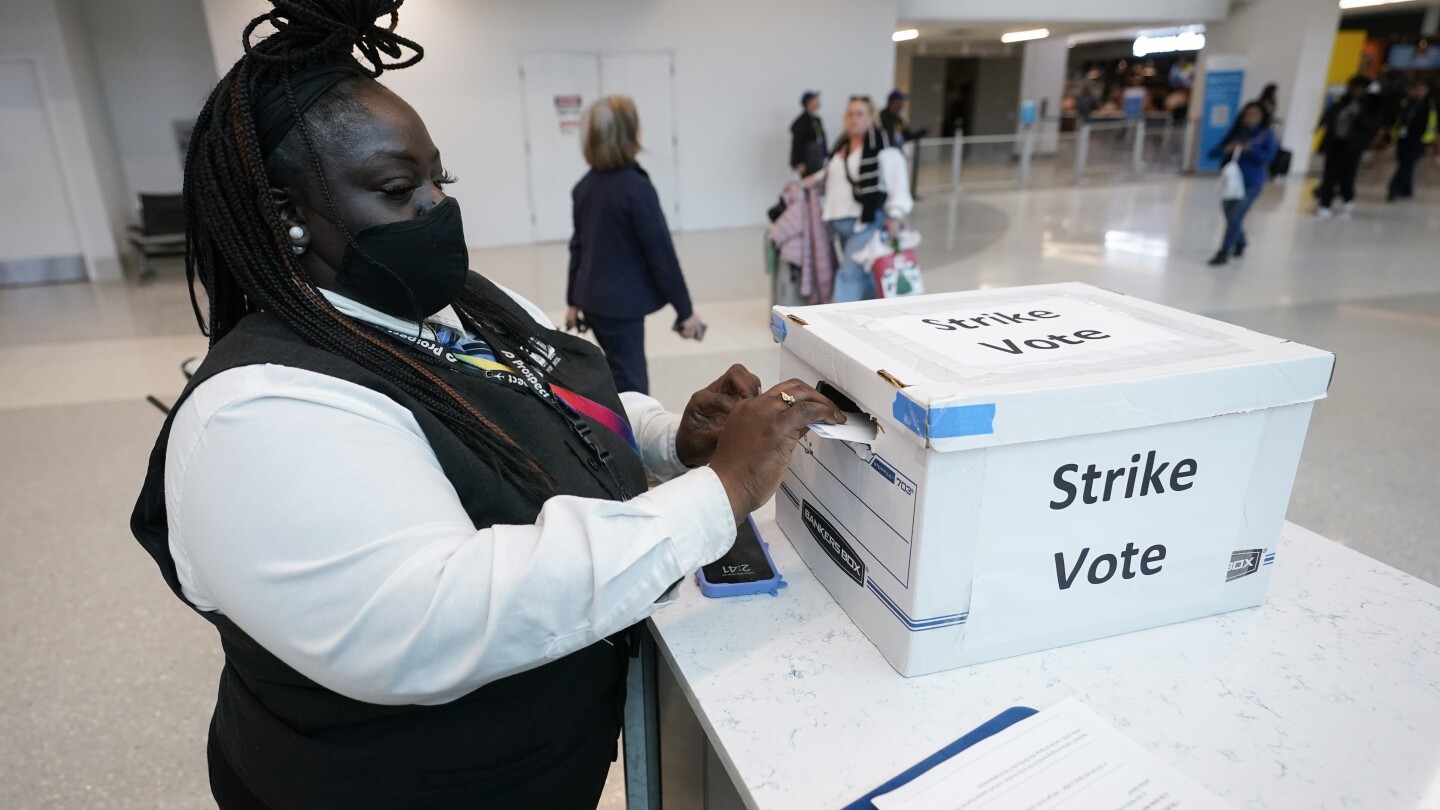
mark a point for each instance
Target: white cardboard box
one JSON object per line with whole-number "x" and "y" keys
{"x": 975, "y": 528}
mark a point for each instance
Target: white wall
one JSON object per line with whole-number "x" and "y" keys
{"x": 1297, "y": 62}
{"x": 155, "y": 67}
{"x": 926, "y": 87}
{"x": 34, "y": 28}
{"x": 86, "y": 71}
{"x": 1059, "y": 11}
{"x": 739, "y": 70}
{"x": 997, "y": 97}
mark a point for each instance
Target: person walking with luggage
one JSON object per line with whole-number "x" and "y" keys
{"x": 807, "y": 136}
{"x": 622, "y": 262}
{"x": 1416, "y": 126}
{"x": 867, "y": 191}
{"x": 1252, "y": 146}
{"x": 1350, "y": 125}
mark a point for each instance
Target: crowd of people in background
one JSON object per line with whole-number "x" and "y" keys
{"x": 1395, "y": 111}
{"x": 1159, "y": 87}
{"x": 1363, "y": 118}
{"x": 623, "y": 265}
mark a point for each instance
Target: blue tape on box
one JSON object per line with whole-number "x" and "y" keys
{"x": 962, "y": 420}
{"x": 909, "y": 414}
{"x": 777, "y": 328}
{"x": 944, "y": 423}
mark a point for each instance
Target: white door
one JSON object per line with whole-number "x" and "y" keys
{"x": 649, "y": 79}
{"x": 38, "y": 238}
{"x": 557, "y": 87}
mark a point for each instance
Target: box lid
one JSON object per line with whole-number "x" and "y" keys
{"x": 991, "y": 367}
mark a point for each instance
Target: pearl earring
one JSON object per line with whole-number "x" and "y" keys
{"x": 297, "y": 249}
{"x": 297, "y": 232}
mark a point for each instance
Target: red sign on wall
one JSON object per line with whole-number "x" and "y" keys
{"x": 567, "y": 112}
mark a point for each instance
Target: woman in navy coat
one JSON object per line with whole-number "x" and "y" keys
{"x": 622, "y": 263}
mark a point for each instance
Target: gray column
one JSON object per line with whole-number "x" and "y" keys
{"x": 1297, "y": 62}
{"x": 1042, "y": 80}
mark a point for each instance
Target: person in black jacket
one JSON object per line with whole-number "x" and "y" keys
{"x": 892, "y": 120}
{"x": 622, "y": 263}
{"x": 1350, "y": 125}
{"x": 807, "y": 136}
{"x": 1417, "y": 125}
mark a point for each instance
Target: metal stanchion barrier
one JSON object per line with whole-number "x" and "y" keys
{"x": 957, "y": 150}
{"x": 1027, "y": 146}
{"x": 1137, "y": 155}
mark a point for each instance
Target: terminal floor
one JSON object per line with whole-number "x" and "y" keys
{"x": 107, "y": 681}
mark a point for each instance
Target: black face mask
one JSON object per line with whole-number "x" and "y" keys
{"x": 426, "y": 259}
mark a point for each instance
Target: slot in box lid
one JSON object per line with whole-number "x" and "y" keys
{"x": 990, "y": 367}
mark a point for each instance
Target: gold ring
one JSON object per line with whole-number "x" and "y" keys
{"x": 789, "y": 400}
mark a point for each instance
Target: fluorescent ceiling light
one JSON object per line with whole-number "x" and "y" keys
{"x": 1183, "y": 41}
{"x": 1022, "y": 36}
{"x": 901, "y": 36}
{"x": 1364, "y": 3}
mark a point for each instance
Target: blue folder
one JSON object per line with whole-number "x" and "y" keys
{"x": 994, "y": 725}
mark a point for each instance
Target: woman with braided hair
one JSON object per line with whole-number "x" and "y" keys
{"x": 415, "y": 512}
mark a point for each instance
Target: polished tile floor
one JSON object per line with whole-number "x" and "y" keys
{"x": 106, "y": 681}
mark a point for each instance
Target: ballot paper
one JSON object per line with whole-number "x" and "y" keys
{"x": 1064, "y": 757}
{"x": 857, "y": 428}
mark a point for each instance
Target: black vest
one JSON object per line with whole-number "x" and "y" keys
{"x": 298, "y": 744}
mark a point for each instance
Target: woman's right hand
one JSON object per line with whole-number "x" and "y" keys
{"x": 572, "y": 319}
{"x": 759, "y": 437}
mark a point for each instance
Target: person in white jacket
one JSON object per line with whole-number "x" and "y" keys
{"x": 418, "y": 516}
{"x": 867, "y": 189}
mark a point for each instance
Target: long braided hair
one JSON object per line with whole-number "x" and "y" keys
{"x": 235, "y": 239}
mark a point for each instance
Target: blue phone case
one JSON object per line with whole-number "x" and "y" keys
{"x": 772, "y": 586}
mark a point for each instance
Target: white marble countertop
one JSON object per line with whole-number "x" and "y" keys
{"x": 1326, "y": 696}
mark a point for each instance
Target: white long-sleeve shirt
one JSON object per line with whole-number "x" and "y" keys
{"x": 313, "y": 513}
{"x": 894, "y": 180}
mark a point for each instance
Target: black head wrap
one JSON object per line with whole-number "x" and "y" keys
{"x": 275, "y": 117}
{"x": 312, "y": 50}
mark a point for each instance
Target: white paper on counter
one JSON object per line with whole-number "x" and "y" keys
{"x": 857, "y": 428}
{"x": 1064, "y": 757}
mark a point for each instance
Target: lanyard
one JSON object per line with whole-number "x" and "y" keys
{"x": 519, "y": 373}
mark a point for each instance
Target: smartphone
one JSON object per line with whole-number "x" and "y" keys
{"x": 745, "y": 569}
{"x": 698, "y": 337}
